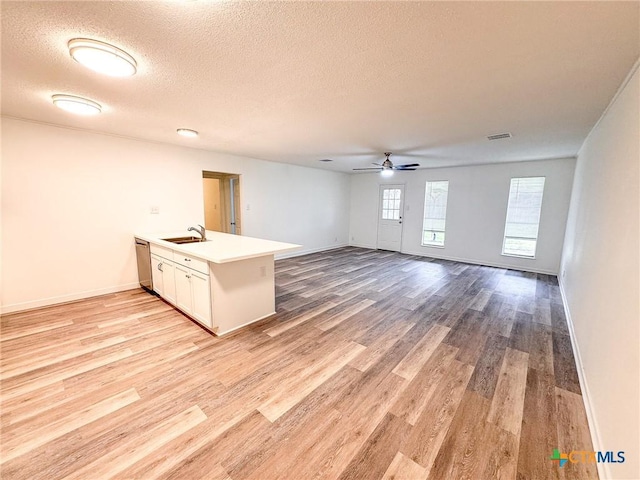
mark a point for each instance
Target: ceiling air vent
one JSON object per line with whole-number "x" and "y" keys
{"x": 499, "y": 136}
{"x": 326, "y": 160}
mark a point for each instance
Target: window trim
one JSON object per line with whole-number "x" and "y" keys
{"x": 424, "y": 206}
{"x": 506, "y": 221}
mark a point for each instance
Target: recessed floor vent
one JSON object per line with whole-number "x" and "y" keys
{"x": 499, "y": 136}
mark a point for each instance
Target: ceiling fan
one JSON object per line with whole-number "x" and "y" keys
{"x": 387, "y": 167}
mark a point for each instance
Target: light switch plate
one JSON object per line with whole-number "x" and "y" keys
{"x": 155, "y": 210}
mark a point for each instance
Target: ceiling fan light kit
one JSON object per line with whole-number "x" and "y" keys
{"x": 387, "y": 167}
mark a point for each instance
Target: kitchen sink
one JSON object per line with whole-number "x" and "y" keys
{"x": 181, "y": 240}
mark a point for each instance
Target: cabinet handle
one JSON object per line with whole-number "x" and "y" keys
{"x": 187, "y": 259}
{"x": 160, "y": 267}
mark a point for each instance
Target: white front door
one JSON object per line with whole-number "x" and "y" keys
{"x": 390, "y": 212}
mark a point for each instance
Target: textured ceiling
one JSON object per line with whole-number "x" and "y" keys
{"x": 301, "y": 81}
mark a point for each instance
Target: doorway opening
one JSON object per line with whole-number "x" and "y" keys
{"x": 222, "y": 202}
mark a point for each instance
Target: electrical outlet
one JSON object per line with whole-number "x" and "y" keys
{"x": 155, "y": 210}
{"x": 248, "y": 207}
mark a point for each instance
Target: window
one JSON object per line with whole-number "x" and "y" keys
{"x": 435, "y": 213}
{"x": 391, "y": 204}
{"x": 523, "y": 217}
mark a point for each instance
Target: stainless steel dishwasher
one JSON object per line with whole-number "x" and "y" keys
{"x": 143, "y": 255}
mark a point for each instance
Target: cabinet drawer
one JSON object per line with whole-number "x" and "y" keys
{"x": 194, "y": 263}
{"x": 162, "y": 252}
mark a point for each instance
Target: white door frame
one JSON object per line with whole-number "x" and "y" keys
{"x": 380, "y": 244}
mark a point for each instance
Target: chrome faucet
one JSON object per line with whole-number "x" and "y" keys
{"x": 200, "y": 230}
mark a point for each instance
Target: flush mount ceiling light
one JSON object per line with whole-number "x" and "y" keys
{"x": 102, "y": 57}
{"x": 185, "y": 132}
{"x": 77, "y": 105}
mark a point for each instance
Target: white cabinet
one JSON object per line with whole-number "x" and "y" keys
{"x": 183, "y": 289}
{"x": 193, "y": 294}
{"x": 224, "y": 283}
{"x": 156, "y": 274}
{"x": 162, "y": 273}
{"x": 182, "y": 280}
{"x": 191, "y": 262}
{"x": 168, "y": 280}
{"x": 201, "y": 298}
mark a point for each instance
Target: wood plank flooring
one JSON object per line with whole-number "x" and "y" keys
{"x": 376, "y": 365}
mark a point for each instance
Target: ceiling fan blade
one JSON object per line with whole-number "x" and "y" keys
{"x": 408, "y": 165}
{"x": 404, "y": 169}
{"x": 368, "y": 169}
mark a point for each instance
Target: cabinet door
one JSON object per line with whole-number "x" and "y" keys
{"x": 183, "y": 289}
{"x": 201, "y": 296}
{"x": 156, "y": 274}
{"x": 168, "y": 281}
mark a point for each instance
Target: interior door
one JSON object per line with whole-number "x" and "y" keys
{"x": 390, "y": 214}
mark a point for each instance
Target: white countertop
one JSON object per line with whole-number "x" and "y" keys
{"x": 220, "y": 247}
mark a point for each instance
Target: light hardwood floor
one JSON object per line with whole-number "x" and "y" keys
{"x": 377, "y": 365}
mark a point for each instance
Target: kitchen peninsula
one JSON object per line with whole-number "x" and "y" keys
{"x": 224, "y": 283}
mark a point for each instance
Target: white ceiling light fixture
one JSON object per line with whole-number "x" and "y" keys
{"x": 102, "y": 57}
{"x": 185, "y": 132}
{"x": 77, "y": 105}
{"x": 386, "y": 172}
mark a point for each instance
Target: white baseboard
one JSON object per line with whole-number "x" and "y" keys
{"x": 45, "y": 302}
{"x": 477, "y": 262}
{"x": 464, "y": 260}
{"x": 308, "y": 251}
{"x": 226, "y": 332}
{"x": 603, "y": 468}
{"x": 362, "y": 245}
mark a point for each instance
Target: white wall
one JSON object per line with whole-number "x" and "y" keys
{"x": 601, "y": 283}
{"x": 71, "y": 201}
{"x": 476, "y": 211}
